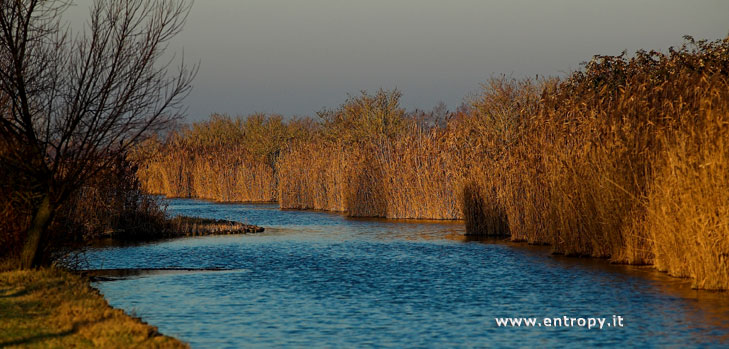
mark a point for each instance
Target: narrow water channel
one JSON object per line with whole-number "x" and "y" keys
{"x": 325, "y": 280}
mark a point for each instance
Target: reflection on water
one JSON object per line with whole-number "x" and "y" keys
{"x": 322, "y": 279}
{"x": 119, "y": 274}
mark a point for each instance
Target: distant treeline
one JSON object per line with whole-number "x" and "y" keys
{"x": 626, "y": 159}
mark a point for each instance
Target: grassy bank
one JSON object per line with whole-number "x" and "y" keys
{"x": 625, "y": 159}
{"x": 53, "y": 308}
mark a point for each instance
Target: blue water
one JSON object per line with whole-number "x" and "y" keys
{"x": 317, "y": 279}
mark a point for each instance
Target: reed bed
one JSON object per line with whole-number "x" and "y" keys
{"x": 633, "y": 153}
{"x": 688, "y": 201}
{"x": 420, "y": 178}
{"x": 224, "y": 159}
{"x": 371, "y": 160}
{"x": 313, "y": 175}
{"x": 625, "y": 159}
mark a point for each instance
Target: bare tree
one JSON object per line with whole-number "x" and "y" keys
{"x": 72, "y": 103}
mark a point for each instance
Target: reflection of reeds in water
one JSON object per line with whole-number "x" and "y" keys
{"x": 626, "y": 160}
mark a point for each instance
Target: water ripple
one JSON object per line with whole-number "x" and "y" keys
{"x": 320, "y": 279}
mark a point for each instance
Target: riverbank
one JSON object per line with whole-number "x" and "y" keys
{"x": 198, "y": 226}
{"x": 184, "y": 226}
{"x": 54, "y": 308}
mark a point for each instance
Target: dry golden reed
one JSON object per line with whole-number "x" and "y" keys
{"x": 312, "y": 175}
{"x": 223, "y": 159}
{"x": 372, "y": 161}
{"x": 625, "y": 159}
{"x": 632, "y": 152}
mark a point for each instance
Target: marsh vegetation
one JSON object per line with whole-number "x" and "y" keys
{"x": 625, "y": 159}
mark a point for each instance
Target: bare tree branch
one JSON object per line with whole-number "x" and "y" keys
{"x": 72, "y": 104}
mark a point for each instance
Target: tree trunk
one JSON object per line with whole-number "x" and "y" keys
{"x": 31, "y": 256}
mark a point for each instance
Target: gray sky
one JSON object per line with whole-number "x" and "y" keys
{"x": 296, "y": 57}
